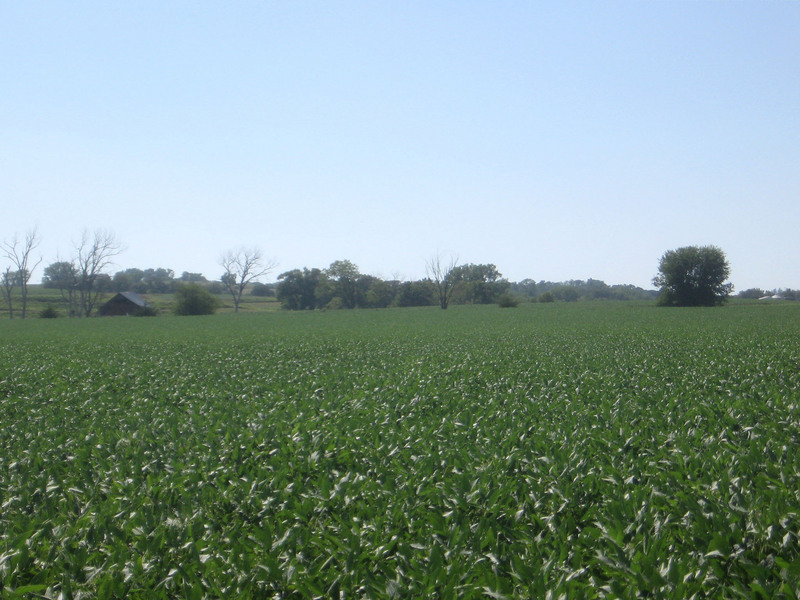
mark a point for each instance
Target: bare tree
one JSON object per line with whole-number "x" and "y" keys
{"x": 19, "y": 253}
{"x": 443, "y": 275}
{"x": 241, "y": 268}
{"x": 93, "y": 255}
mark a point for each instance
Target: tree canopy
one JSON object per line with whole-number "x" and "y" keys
{"x": 478, "y": 284}
{"x": 297, "y": 289}
{"x": 693, "y": 276}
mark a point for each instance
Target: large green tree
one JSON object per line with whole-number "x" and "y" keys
{"x": 345, "y": 275}
{"x": 478, "y": 284}
{"x": 298, "y": 290}
{"x": 693, "y": 276}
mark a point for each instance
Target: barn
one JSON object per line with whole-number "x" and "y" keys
{"x": 124, "y": 303}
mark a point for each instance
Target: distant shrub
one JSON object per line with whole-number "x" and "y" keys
{"x": 262, "y": 290}
{"x": 507, "y": 301}
{"x": 215, "y": 287}
{"x": 335, "y": 304}
{"x": 547, "y": 297}
{"x": 194, "y": 299}
{"x": 146, "y": 311}
{"x": 49, "y": 312}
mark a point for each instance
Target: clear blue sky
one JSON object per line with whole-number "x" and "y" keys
{"x": 557, "y": 140}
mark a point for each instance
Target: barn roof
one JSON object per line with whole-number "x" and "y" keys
{"x": 133, "y": 297}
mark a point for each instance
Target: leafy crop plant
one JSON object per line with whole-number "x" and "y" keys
{"x": 554, "y": 451}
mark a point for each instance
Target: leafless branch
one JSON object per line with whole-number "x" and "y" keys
{"x": 93, "y": 255}
{"x": 242, "y": 267}
{"x": 441, "y": 273}
{"x": 19, "y": 253}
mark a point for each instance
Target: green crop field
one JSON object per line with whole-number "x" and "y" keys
{"x": 591, "y": 450}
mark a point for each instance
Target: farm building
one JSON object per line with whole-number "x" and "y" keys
{"x": 124, "y": 303}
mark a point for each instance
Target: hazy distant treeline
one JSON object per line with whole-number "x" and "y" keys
{"x": 343, "y": 285}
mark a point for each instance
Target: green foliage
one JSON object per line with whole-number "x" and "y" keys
{"x": 188, "y": 277}
{"x": 262, "y": 290}
{"x": 693, "y": 276}
{"x": 416, "y": 293}
{"x": 377, "y": 293}
{"x": 790, "y": 294}
{"x": 194, "y": 299}
{"x": 298, "y": 290}
{"x": 478, "y": 284}
{"x": 565, "y": 293}
{"x": 146, "y": 311}
{"x": 547, "y": 297}
{"x": 575, "y": 450}
{"x": 527, "y": 288}
{"x": 342, "y": 286}
{"x": 508, "y": 301}
{"x": 344, "y": 276}
{"x": 48, "y": 312}
{"x": 215, "y": 287}
{"x": 148, "y": 281}
{"x": 335, "y": 303}
{"x": 752, "y": 294}
{"x": 589, "y": 289}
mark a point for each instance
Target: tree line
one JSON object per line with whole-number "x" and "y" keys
{"x": 341, "y": 285}
{"x": 84, "y": 278}
{"x": 687, "y": 276}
